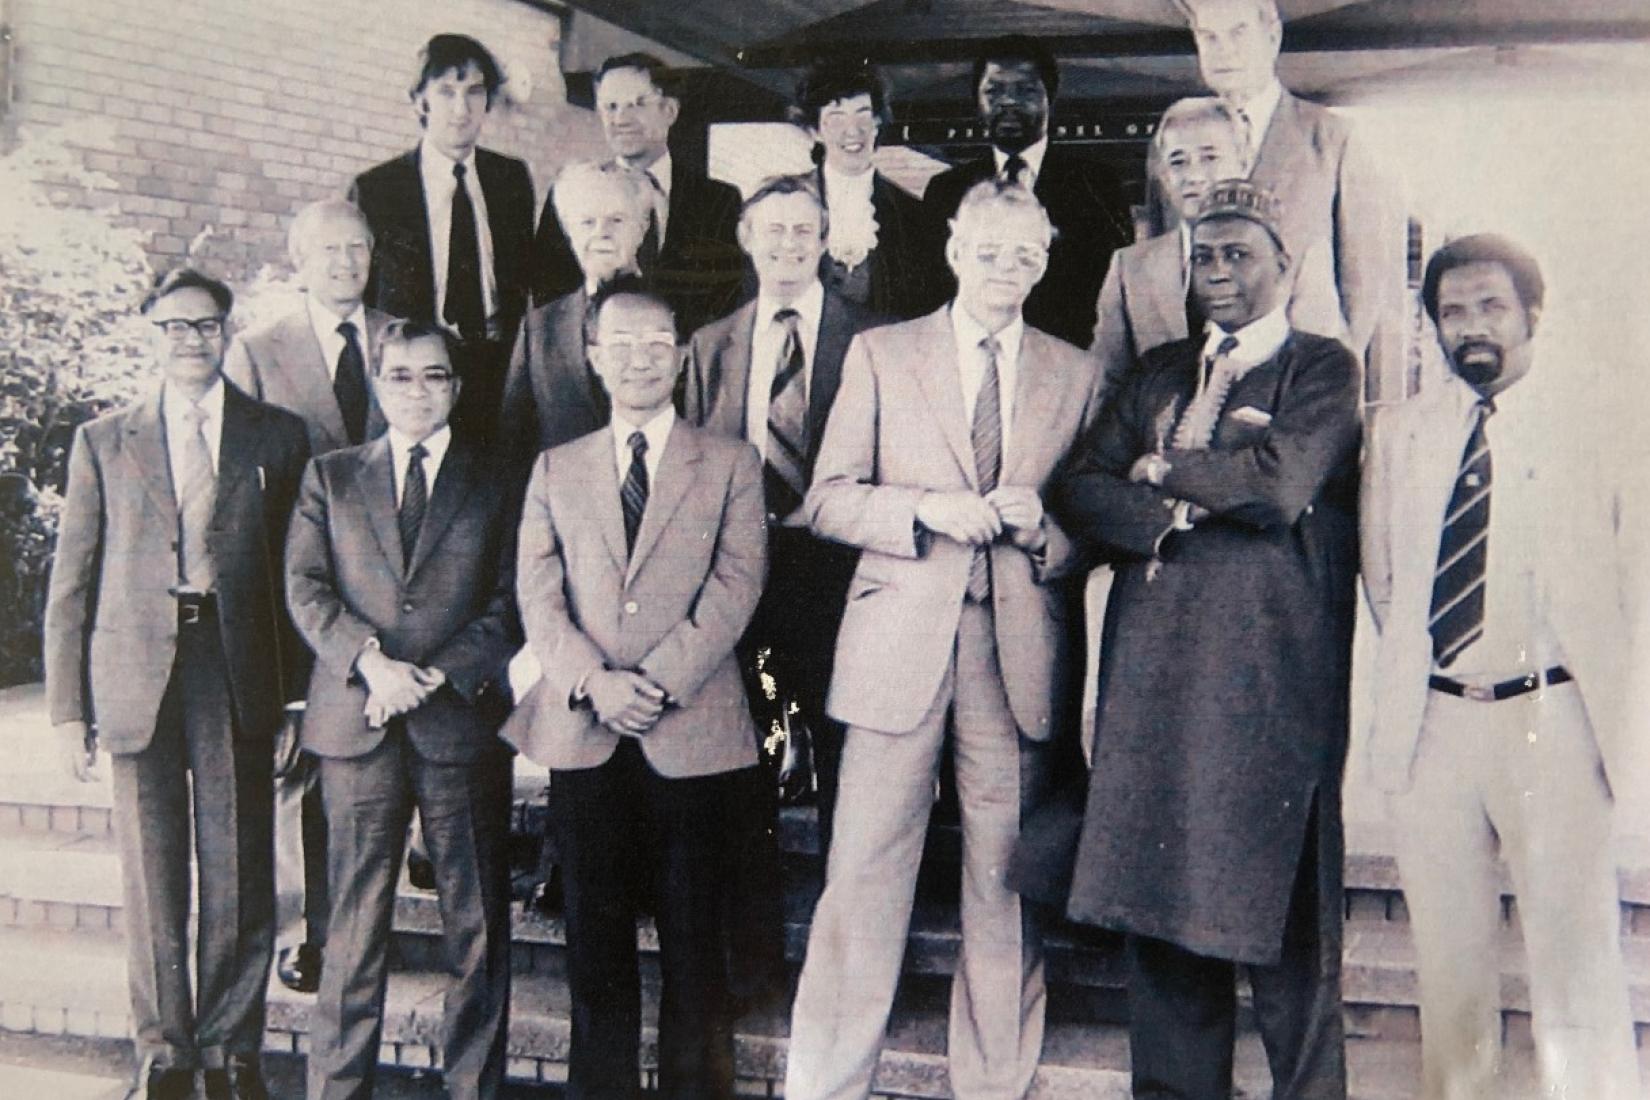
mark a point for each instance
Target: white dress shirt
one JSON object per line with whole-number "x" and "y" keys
{"x": 1033, "y": 156}
{"x": 657, "y": 432}
{"x": 659, "y": 170}
{"x": 325, "y": 323}
{"x": 1257, "y": 113}
{"x": 1257, "y": 341}
{"x": 767, "y": 341}
{"x": 178, "y": 428}
{"x": 971, "y": 367}
{"x": 436, "y": 168}
{"x": 435, "y": 444}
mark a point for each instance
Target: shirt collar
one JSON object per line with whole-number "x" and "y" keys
{"x": 325, "y": 322}
{"x": 660, "y": 170}
{"x": 970, "y": 332}
{"x": 840, "y": 184}
{"x": 810, "y": 303}
{"x": 656, "y": 430}
{"x": 174, "y": 403}
{"x": 1032, "y": 154}
{"x": 435, "y": 445}
{"x": 437, "y": 165}
{"x": 1258, "y": 341}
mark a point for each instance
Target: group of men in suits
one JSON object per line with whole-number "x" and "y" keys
{"x": 540, "y": 515}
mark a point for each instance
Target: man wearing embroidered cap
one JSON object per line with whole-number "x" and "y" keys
{"x": 1221, "y": 482}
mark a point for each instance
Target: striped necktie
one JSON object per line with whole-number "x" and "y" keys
{"x": 787, "y": 448}
{"x": 197, "y": 495}
{"x": 415, "y": 500}
{"x": 633, "y": 493}
{"x": 1457, "y": 612}
{"x": 988, "y": 457}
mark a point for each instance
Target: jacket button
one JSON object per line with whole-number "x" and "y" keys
{"x": 407, "y": 608}
{"x": 631, "y": 607}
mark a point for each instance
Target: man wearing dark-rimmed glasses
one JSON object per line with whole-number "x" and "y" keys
{"x": 168, "y": 645}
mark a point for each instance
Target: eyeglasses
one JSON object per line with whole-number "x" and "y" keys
{"x": 658, "y": 351}
{"x": 403, "y": 378}
{"x": 612, "y": 107}
{"x": 179, "y": 328}
{"x": 1027, "y": 256}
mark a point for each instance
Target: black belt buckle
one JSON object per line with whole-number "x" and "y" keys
{"x": 193, "y": 607}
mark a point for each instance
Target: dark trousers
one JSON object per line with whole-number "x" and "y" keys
{"x": 465, "y": 810}
{"x": 1183, "y": 1010}
{"x": 196, "y": 768}
{"x": 300, "y": 857}
{"x": 622, "y": 829}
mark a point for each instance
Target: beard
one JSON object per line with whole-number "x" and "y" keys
{"x": 1479, "y": 363}
{"x": 1013, "y": 130}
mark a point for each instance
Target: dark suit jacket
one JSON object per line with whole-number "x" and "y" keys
{"x": 111, "y": 620}
{"x": 453, "y": 608}
{"x": 551, "y": 396}
{"x": 402, "y": 279}
{"x": 899, "y": 281}
{"x": 281, "y": 363}
{"x": 1090, "y": 219}
{"x": 699, "y": 266}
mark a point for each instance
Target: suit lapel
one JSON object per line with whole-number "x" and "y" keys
{"x": 1272, "y": 153}
{"x": 237, "y": 450}
{"x": 568, "y": 329}
{"x": 600, "y": 496}
{"x": 414, "y": 213}
{"x": 677, "y": 467}
{"x": 732, "y": 366}
{"x": 1036, "y": 389}
{"x": 1160, "y": 270}
{"x": 146, "y": 451}
{"x": 312, "y": 381}
{"x": 836, "y": 332}
{"x": 453, "y": 488}
{"x": 376, "y": 481}
{"x": 936, "y": 370}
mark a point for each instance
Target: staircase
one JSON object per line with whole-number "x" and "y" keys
{"x": 62, "y": 961}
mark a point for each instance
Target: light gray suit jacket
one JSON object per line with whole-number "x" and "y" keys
{"x": 898, "y": 431}
{"x": 673, "y": 611}
{"x": 281, "y": 363}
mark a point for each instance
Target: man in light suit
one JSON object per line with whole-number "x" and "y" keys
{"x": 452, "y": 224}
{"x": 399, "y": 577}
{"x": 313, "y": 362}
{"x": 551, "y": 394}
{"x": 963, "y": 622}
{"x": 1326, "y": 183}
{"x": 1146, "y": 300}
{"x": 642, "y": 552}
{"x": 167, "y": 644}
{"x": 1502, "y": 673}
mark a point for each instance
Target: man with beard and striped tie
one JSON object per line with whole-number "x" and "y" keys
{"x": 963, "y": 625}
{"x": 1502, "y": 677}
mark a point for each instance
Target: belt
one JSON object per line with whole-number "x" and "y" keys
{"x": 195, "y": 607}
{"x": 1506, "y": 689}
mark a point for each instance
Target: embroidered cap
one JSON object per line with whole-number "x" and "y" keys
{"x": 1242, "y": 199}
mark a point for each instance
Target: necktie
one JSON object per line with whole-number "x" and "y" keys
{"x": 1014, "y": 168}
{"x": 1457, "y": 613}
{"x": 197, "y": 494}
{"x": 349, "y": 384}
{"x": 415, "y": 499}
{"x": 788, "y": 421}
{"x": 988, "y": 458}
{"x": 633, "y": 493}
{"x": 1246, "y": 130}
{"x": 1196, "y": 429}
{"x": 647, "y": 257}
{"x": 463, "y": 309}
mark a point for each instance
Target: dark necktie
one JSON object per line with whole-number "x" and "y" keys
{"x": 463, "y": 309}
{"x": 647, "y": 257}
{"x": 788, "y": 421}
{"x": 1457, "y": 613}
{"x": 988, "y": 458}
{"x": 633, "y": 493}
{"x": 415, "y": 499}
{"x": 349, "y": 384}
{"x": 1014, "y": 168}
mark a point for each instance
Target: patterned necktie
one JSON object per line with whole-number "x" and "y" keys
{"x": 1246, "y": 132}
{"x": 987, "y": 436}
{"x": 349, "y": 384}
{"x": 463, "y": 309}
{"x": 1196, "y": 429}
{"x": 1014, "y": 168}
{"x": 788, "y": 420}
{"x": 415, "y": 500}
{"x": 1457, "y": 613}
{"x": 633, "y": 493}
{"x": 197, "y": 494}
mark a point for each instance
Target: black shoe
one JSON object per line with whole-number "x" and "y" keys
{"x": 546, "y": 898}
{"x": 420, "y": 871}
{"x": 158, "y": 1082}
{"x": 241, "y": 1079}
{"x": 299, "y": 968}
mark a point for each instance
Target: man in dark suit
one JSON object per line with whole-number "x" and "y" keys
{"x": 642, "y": 555}
{"x": 1222, "y": 477}
{"x": 313, "y": 362}
{"x": 399, "y": 570}
{"x": 690, "y": 251}
{"x": 166, "y": 643}
{"x": 1015, "y": 80}
{"x": 768, "y": 373}
{"x": 452, "y": 225}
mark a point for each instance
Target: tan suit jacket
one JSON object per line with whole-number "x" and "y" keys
{"x": 282, "y": 363}
{"x": 111, "y": 617}
{"x": 898, "y": 431}
{"x": 673, "y": 611}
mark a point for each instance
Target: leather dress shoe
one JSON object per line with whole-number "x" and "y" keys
{"x": 158, "y": 1082}
{"x": 241, "y": 1079}
{"x": 546, "y": 898}
{"x": 299, "y": 968}
{"x": 420, "y": 872}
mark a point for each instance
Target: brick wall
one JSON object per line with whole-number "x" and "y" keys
{"x": 234, "y": 113}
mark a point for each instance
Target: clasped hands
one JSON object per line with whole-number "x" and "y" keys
{"x": 626, "y": 702}
{"x": 394, "y": 687}
{"x": 973, "y": 520}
